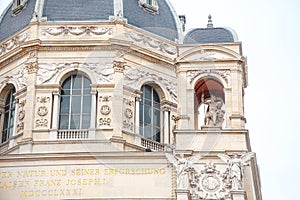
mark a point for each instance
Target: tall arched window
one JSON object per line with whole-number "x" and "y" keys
{"x": 9, "y": 115}
{"x": 150, "y": 125}
{"x": 75, "y": 103}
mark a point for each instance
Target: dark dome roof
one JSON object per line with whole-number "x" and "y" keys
{"x": 209, "y": 35}
{"x": 163, "y": 23}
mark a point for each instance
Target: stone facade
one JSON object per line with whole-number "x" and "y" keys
{"x": 113, "y": 157}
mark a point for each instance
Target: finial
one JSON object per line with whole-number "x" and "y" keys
{"x": 209, "y": 24}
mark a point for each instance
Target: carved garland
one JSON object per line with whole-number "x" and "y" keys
{"x": 42, "y": 111}
{"x": 105, "y": 110}
{"x": 128, "y": 114}
{"x": 77, "y": 31}
{"x": 13, "y": 43}
{"x": 21, "y": 116}
{"x": 161, "y": 46}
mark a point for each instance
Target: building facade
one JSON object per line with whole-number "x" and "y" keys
{"x": 111, "y": 99}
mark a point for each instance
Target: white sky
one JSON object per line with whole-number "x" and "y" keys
{"x": 270, "y": 33}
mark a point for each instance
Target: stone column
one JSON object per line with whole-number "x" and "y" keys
{"x": 137, "y": 115}
{"x": 92, "y": 131}
{"x": 32, "y": 68}
{"x": 166, "y": 113}
{"x": 117, "y": 100}
{"x": 55, "y": 115}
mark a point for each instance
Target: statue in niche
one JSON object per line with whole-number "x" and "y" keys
{"x": 235, "y": 168}
{"x": 182, "y": 166}
{"x": 214, "y": 115}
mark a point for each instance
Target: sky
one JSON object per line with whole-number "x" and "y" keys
{"x": 270, "y": 33}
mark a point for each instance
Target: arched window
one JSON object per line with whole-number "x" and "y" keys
{"x": 9, "y": 115}
{"x": 150, "y": 124}
{"x": 209, "y": 103}
{"x": 75, "y": 103}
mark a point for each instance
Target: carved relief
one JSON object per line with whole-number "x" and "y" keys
{"x": 41, "y": 123}
{"x": 47, "y": 72}
{"x": 128, "y": 125}
{"x": 105, "y": 110}
{"x": 214, "y": 116}
{"x": 132, "y": 76}
{"x": 21, "y": 116}
{"x": 13, "y": 43}
{"x": 77, "y": 31}
{"x": 19, "y": 76}
{"x": 191, "y": 75}
{"x": 128, "y": 113}
{"x": 42, "y": 111}
{"x": 118, "y": 66}
{"x": 208, "y": 184}
{"x": 128, "y": 107}
{"x": 155, "y": 44}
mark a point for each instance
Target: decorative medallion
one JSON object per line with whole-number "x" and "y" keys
{"x": 105, "y": 110}
{"x": 42, "y": 111}
{"x": 128, "y": 113}
{"x": 21, "y": 115}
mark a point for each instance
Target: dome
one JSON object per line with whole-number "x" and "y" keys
{"x": 210, "y": 35}
{"x": 158, "y": 18}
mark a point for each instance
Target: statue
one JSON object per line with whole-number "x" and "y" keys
{"x": 214, "y": 115}
{"x": 182, "y": 166}
{"x": 235, "y": 168}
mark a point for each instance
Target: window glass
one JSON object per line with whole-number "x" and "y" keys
{"x": 9, "y": 115}
{"x": 75, "y": 107}
{"x": 150, "y": 114}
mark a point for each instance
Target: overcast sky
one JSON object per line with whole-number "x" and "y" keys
{"x": 270, "y": 33}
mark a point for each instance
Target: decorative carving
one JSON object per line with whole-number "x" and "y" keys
{"x": 13, "y": 43}
{"x": 235, "y": 169}
{"x": 41, "y": 123}
{"x": 104, "y": 98}
{"x": 32, "y": 67}
{"x": 119, "y": 66}
{"x": 20, "y": 77}
{"x": 128, "y": 102}
{"x": 47, "y": 72}
{"x": 182, "y": 165}
{"x": 191, "y": 75}
{"x": 128, "y": 125}
{"x": 208, "y": 184}
{"x": 132, "y": 76}
{"x": 105, "y": 110}
{"x": 104, "y": 121}
{"x": 77, "y": 31}
{"x": 21, "y": 114}
{"x": 42, "y": 111}
{"x": 214, "y": 115}
{"x": 128, "y": 113}
{"x": 161, "y": 46}
{"x": 20, "y": 127}
{"x": 43, "y": 99}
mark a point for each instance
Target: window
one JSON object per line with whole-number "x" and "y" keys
{"x": 18, "y": 2}
{"x": 150, "y": 6}
{"x": 9, "y": 115}
{"x": 75, "y": 103}
{"x": 18, "y": 6}
{"x": 150, "y": 115}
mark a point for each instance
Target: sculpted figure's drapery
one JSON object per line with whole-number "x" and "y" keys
{"x": 182, "y": 166}
{"x": 215, "y": 114}
{"x": 235, "y": 169}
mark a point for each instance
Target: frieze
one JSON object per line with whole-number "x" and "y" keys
{"x": 132, "y": 76}
{"x": 225, "y": 74}
{"x": 47, "y": 72}
{"x": 13, "y": 43}
{"x": 77, "y": 31}
{"x": 155, "y": 44}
